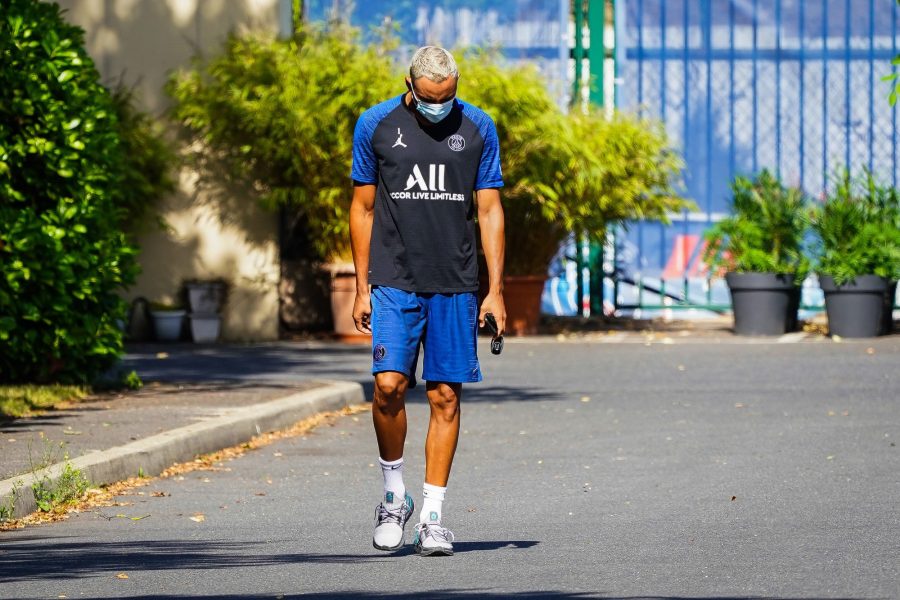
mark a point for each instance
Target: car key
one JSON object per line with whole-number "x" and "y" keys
{"x": 497, "y": 341}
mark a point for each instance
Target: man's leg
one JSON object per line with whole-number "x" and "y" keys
{"x": 450, "y": 356}
{"x": 443, "y": 431}
{"x": 397, "y": 326}
{"x": 389, "y": 413}
{"x": 389, "y": 417}
{"x": 440, "y": 446}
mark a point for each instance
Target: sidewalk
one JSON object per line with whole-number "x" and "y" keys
{"x": 114, "y": 436}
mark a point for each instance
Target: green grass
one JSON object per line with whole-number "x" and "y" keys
{"x": 68, "y": 488}
{"x": 26, "y": 400}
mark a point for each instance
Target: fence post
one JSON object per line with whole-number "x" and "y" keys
{"x": 599, "y": 14}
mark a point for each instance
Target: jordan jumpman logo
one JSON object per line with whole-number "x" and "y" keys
{"x": 399, "y": 141}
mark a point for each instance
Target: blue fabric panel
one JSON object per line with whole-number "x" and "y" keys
{"x": 490, "y": 174}
{"x": 365, "y": 165}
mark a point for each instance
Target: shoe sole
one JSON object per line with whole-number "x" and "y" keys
{"x": 434, "y": 552}
{"x": 387, "y": 548}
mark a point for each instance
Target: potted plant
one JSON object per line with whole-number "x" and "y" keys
{"x": 858, "y": 231}
{"x": 278, "y": 116}
{"x": 760, "y": 247}
{"x": 168, "y": 320}
{"x": 575, "y": 172}
{"x": 287, "y": 132}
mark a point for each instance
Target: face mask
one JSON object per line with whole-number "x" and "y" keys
{"x": 432, "y": 112}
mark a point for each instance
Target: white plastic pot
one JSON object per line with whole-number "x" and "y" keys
{"x": 205, "y": 328}
{"x": 167, "y": 324}
{"x": 205, "y": 298}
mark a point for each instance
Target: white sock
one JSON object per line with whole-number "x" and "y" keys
{"x": 431, "y": 505}
{"x": 394, "y": 490}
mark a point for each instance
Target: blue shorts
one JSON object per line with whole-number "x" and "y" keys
{"x": 446, "y": 325}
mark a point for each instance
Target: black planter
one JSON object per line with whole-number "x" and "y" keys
{"x": 890, "y": 296}
{"x": 855, "y": 309}
{"x": 763, "y": 303}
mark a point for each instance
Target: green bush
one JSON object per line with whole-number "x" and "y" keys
{"x": 567, "y": 172}
{"x": 858, "y": 229}
{"x": 63, "y": 256}
{"x": 765, "y": 232}
{"x": 528, "y": 123}
{"x": 148, "y": 162}
{"x": 279, "y": 115}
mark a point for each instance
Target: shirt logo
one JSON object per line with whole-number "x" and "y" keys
{"x": 435, "y": 179}
{"x": 399, "y": 141}
{"x": 456, "y": 142}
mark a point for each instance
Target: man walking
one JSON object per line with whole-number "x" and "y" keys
{"x": 417, "y": 160}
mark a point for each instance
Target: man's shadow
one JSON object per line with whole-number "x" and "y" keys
{"x": 461, "y": 547}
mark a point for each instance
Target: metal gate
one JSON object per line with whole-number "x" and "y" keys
{"x": 792, "y": 85}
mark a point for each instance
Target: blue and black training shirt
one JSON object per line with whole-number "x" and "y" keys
{"x": 423, "y": 235}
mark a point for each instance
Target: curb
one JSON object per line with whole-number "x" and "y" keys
{"x": 152, "y": 455}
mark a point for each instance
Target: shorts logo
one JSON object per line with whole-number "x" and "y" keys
{"x": 456, "y": 142}
{"x": 380, "y": 352}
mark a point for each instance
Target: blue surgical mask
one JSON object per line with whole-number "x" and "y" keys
{"x": 433, "y": 112}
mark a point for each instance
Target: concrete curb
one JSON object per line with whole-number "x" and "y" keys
{"x": 152, "y": 455}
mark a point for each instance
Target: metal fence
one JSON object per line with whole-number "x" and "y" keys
{"x": 791, "y": 85}
{"x": 535, "y": 31}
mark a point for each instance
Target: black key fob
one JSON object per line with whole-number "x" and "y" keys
{"x": 497, "y": 341}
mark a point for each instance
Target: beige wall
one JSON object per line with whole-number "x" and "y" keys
{"x": 213, "y": 232}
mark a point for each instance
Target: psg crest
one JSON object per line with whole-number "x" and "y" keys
{"x": 456, "y": 142}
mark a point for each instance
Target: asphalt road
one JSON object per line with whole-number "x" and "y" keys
{"x": 713, "y": 470}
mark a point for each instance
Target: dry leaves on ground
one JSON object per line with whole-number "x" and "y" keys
{"x": 105, "y": 496}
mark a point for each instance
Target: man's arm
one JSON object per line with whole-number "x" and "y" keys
{"x": 493, "y": 240}
{"x": 362, "y": 214}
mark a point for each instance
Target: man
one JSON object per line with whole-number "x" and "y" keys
{"x": 417, "y": 159}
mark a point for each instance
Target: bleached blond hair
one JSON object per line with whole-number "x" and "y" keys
{"x": 433, "y": 62}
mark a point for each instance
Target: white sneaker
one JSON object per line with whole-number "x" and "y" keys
{"x": 433, "y": 540}
{"x": 390, "y": 521}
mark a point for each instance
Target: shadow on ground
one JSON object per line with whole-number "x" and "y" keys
{"x": 184, "y": 362}
{"x": 266, "y": 365}
{"x": 480, "y": 594}
{"x": 37, "y": 558}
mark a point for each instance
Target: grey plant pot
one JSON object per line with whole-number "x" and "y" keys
{"x": 890, "y": 297}
{"x": 763, "y": 303}
{"x": 855, "y": 309}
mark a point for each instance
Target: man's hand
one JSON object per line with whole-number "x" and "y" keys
{"x": 362, "y": 312}
{"x": 493, "y": 304}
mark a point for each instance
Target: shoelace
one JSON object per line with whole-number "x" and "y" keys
{"x": 440, "y": 534}
{"x": 387, "y": 515}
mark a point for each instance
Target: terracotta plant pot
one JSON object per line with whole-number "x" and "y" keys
{"x": 343, "y": 294}
{"x": 522, "y": 296}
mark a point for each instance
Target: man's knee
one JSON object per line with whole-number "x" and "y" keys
{"x": 390, "y": 389}
{"x": 444, "y": 400}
